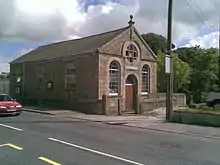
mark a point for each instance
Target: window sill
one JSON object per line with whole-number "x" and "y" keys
{"x": 145, "y": 93}
{"x": 113, "y": 94}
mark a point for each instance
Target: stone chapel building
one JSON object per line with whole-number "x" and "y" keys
{"x": 107, "y": 73}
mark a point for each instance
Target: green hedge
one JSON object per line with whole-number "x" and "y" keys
{"x": 200, "y": 111}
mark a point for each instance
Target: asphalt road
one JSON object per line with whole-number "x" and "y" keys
{"x": 38, "y": 139}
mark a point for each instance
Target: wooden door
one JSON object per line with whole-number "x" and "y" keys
{"x": 129, "y": 97}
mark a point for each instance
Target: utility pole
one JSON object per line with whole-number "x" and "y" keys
{"x": 169, "y": 65}
{"x": 219, "y": 51}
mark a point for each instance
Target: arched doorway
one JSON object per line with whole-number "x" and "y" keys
{"x": 131, "y": 91}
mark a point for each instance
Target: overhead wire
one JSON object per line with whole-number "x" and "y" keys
{"x": 202, "y": 13}
{"x": 199, "y": 16}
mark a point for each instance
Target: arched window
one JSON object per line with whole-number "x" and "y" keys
{"x": 145, "y": 79}
{"x": 131, "y": 53}
{"x": 114, "y": 78}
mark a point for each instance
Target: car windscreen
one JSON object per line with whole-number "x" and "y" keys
{"x": 5, "y": 98}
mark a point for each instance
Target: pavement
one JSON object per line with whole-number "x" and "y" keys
{"x": 41, "y": 139}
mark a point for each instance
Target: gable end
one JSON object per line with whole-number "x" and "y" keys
{"x": 145, "y": 44}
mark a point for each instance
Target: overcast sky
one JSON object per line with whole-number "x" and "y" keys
{"x": 25, "y": 24}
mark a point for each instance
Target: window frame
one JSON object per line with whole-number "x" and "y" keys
{"x": 18, "y": 90}
{"x": 70, "y": 77}
{"x": 145, "y": 79}
{"x": 114, "y": 83}
{"x": 132, "y": 50}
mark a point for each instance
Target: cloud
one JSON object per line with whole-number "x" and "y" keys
{"x": 46, "y": 20}
{"x": 5, "y": 60}
{"x": 188, "y": 18}
{"x": 37, "y": 20}
{"x": 4, "y": 63}
{"x": 24, "y": 51}
{"x": 206, "y": 41}
{"x": 101, "y": 18}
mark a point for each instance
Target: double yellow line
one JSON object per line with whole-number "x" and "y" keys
{"x": 20, "y": 148}
{"x": 48, "y": 161}
{"x": 12, "y": 146}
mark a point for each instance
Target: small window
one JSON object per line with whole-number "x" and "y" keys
{"x": 145, "y": 79}
{"x": 70, "y": 71}
{"x": 40, "y": 78}
{"x": 70, "y": 77}
{"x": 114, "y": 78}
{"x": 49, "y": 85}
{"x": 131, "y": 53}
{"x": 70, "y": 85}
{"x": 18, "y": 90}
{"x": 40, "y": 73}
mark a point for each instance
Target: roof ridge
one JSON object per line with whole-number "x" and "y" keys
{"x": 74, "y": 46}
{"x": 83, "y": 37}
{"x": 35, "y": 49}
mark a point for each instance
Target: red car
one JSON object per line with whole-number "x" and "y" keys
{"x": 8, "y": 105}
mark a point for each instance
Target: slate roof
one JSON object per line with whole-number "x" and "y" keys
{"x": 70, "y": 47}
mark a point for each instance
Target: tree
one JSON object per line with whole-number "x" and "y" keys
{"x": 156, "y": 42}
{"x": 181, "y": 73}
{"x": 203, "y": 69}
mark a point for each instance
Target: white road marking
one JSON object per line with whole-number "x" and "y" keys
{"x": 7, "y": 126}
{"x": 97, "y": 152}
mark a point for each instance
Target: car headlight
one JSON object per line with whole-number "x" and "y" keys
{"x": 2, "y": 107}
{"x": 18, "y": 106}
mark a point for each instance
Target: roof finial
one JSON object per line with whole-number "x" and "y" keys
{"x": 131, "y": 22}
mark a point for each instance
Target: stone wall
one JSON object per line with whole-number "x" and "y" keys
{"x": 179, "y": 99}
{"x": 89, "y": 106}
{"x": 187, "y": 117}
{"x": 148, "y": 104}
{"x": 112, "y": 105}
{"x": 35, "y": 92}
{"x": 115, "y": 50}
